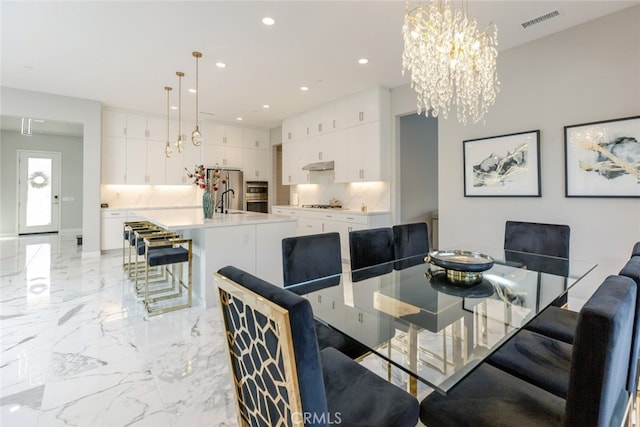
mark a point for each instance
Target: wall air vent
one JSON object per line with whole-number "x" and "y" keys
{"x": 540, "y": 19}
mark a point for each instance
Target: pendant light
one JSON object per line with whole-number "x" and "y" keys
{"x": 167, "y": 147}
{"x": 196, "y": 136}
{"x": 179, "y": 144}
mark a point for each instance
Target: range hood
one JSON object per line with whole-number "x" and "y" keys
{"x": 319, "y": 166}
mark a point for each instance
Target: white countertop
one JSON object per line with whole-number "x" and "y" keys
{"x": 332, "y": 210}
{"x": 193, "y": 218}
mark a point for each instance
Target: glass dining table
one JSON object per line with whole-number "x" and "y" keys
{"x": 411, "y": 314}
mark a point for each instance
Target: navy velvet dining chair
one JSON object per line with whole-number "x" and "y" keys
{"x": 371, "y": 252}
{"x": 312, "y": 257}
{"x": 311, "y": 263}
{"x": 552, "y": 240}
{"x": 560, "y": 324}
{"x": 537, "y": 238}
{"x": 280, "y": 377}
{"x": 636, "y": 250}
{"x": 597, "y": 388}
{"x": 545, "y": 361}
{"x": 410, "y": 244}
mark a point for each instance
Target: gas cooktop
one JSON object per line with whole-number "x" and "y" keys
{"x": 323, "y": 206}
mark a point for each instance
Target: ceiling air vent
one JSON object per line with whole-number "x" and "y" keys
{"x": 540, "y": 19}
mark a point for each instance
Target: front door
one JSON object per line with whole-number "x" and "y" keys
{"x": 39, "y": 192}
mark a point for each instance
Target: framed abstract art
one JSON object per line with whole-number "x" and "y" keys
{"x": 503, "y": 166}
{"x": 602, "y": 159}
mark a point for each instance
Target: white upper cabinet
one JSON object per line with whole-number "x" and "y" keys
{"x": 232, "y": 136}
{"x": 217, "y": 134}
{"x": 136, "y": 126}
{"x": 334, "y": 117}
{"x": 133, "y": 145}
{"x": 364, "y": 154}
{"x": 353, "y": 132}
{"x": 156, "y": 163}
{"x": 157, "y": 128}
{"x": 220, "y": 155}
{"x": 114, "y": 155}
{"x": 364, "y": 107}
{"x": 294, "y": 156}
{"x": 294, "y": 129}
{"x": 154, "y": 128}
{"x": 256, "y": 138}
{"x": 114, "y": 123}
{"x": 339, "y": 154}
{"x": 212, "y": 133}
{"x": 136, "y": 160}
{"x": 257, "y": 165}
{"x": 175, "y": 165}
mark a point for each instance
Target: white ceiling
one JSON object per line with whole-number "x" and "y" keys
{"x": 124, "y": 53}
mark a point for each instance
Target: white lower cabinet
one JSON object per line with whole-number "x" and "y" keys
{"x": 111, "y": 229}
{"x": 342, "y": 225}
{"x": 329, "y": 304}
{"x": 307, "y": 226}
{"x": 312, "y": 221}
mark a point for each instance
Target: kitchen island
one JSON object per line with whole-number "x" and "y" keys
{"x": 250, "y": 241}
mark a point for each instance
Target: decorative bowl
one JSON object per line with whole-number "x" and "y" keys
{"x": 461, "y": 267}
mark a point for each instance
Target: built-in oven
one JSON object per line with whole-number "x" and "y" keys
{"x": 257, "y": 196}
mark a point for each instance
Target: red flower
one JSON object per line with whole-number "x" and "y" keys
{"x": 199, "y": 176}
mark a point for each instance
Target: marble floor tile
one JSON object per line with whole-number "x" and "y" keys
{"x": 78, "y": 348}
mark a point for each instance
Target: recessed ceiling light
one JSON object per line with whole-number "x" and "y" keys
{"x": 304, "y": 88}
{"x": 363, "y": 61}
{"x": 268, "y": 21}
{"x": 192, "y": 91}
{"x": 221, "y": 65}
{"x": 239, "y": 119}
{"x": 265, "y": 106}
{"x": 173, "y": 107}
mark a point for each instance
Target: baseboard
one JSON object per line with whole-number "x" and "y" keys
{"x": 70, "y": 232}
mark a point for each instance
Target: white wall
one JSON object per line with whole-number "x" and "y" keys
{"x": 15, "y": 102}
{"x": 584, "y": 74}
{"x": 71, "y": 177}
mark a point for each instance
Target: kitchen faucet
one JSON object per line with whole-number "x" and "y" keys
{"x": 221, "y": 202}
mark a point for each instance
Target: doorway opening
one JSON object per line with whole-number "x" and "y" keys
{"x": 419, "y": 172}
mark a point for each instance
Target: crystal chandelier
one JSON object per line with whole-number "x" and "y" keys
{"x": 450, "y": 61}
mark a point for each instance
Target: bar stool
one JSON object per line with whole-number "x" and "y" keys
{"x": 128, "y": 234}
{"x": 137, "y": 273}
{"x": 165, "y": 253}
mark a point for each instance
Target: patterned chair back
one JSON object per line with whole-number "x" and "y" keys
{"x": 273, "y": 351}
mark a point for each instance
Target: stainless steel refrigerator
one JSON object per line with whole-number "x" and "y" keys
{"x": 231, "y": 191}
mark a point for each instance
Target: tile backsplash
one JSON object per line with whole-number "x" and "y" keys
{"x": 375, "y": 195}
{"x": 136, "y": 196}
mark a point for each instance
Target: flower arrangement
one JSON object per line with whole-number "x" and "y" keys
{"x": 199, "y": 177}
